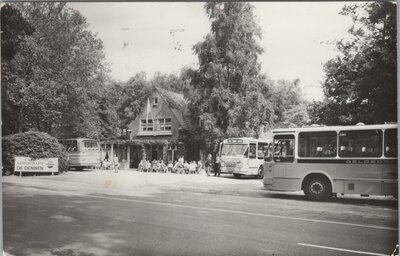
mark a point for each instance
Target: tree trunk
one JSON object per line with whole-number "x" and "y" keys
{"x": 20, "y": 117}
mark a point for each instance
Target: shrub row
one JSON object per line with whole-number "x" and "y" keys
{"x": 34, "y": 145}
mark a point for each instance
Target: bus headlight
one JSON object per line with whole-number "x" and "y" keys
{"x": 239, "y": 164}
{"x": 222, "y": 164}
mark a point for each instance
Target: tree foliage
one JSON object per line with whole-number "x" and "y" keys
{"x": 361, "y": 83}
{"x": 34, "y": 145}
{"x": 290, "y": 108}
{"x": 170, "y": 82}
{"x": 231, "y": 97}
{"x": 56, "y": 78}
{"x": 14, "y": 30}
{"x": 132, "y": 100}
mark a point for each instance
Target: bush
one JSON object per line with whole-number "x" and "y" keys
{"x": 34, "y": 145}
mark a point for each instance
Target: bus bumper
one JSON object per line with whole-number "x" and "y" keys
{"x": 227, "y": 169}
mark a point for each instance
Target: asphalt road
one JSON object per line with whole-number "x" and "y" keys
{"x": 130, "y": 213}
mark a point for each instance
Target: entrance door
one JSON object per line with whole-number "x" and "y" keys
{"x": 154, "y": 155}
{"x": 135, "y": 157}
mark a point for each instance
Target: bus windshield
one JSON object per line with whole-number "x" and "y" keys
{"x": 233, "y": 149}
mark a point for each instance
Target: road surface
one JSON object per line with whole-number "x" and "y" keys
{"x": 129, "y": 213}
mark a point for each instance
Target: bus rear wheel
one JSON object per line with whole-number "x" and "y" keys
{"x": 318, "y": 188}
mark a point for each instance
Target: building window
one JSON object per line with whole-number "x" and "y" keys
{"x": 155, "y": 101}
{"x": 163, "y": 124}
{"x": 146, "y": 126}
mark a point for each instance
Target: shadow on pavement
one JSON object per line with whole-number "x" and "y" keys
{"x": 230, "y": 176}
{"x": 381, "y": 201}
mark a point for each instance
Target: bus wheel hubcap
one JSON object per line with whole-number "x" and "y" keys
{"x": 317, "y": 187}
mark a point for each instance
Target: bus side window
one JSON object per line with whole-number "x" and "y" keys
{"x": 253, "y": 150}
{"x": 268, "y": 152}
{"x": 261, "y": 150}
{"x": 364, "y": 143}
{"x": 318, "y": 144}
{"x": 284, "y": 148}
{"x": 391, "y": 143}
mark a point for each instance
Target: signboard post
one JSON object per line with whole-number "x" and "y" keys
{"x": 26, "y": 164}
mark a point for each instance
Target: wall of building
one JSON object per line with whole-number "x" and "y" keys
{"x": 162, "y": 110}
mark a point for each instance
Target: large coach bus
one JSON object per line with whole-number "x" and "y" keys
{"x": 82, "y": 153}
{"x": 243, "y": 156}
{"x": 323, "y": 161}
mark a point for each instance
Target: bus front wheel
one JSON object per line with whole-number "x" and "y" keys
{"x": 236, "y": 175}
{"x": 318, "y": 188}
{"x": 260, "y": 174}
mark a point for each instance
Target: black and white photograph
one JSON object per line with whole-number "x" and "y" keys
{"x": 199, "y": 128}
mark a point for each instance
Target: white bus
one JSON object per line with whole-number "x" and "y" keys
{"x": 82, "y": 153}
{"x": 323, "y": 161}
{"x": 243, "y": 156}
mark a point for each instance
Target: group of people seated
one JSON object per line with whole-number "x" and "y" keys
{"x": 108, "y": 164}
{"x": 179, "y": 166}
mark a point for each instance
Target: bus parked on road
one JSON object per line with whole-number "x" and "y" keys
{"x": 243, "y": 156}
{"x": 323, "y": 160}
{"x": 82, "y": 153}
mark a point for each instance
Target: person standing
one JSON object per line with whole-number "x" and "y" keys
{"x": 209, "y": 164}
{"x": 116, "y": 163}
{"x": 217, "y": 166}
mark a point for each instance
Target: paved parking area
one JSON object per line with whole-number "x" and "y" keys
{"x": 125, "y": 213}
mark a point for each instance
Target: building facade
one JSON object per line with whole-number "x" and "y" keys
{"x": 157, "y": 130}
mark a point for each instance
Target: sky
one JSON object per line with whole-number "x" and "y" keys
{"x": 298, "y": 37}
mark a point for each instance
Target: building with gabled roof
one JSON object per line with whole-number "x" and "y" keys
{"x": 157, "y": 129}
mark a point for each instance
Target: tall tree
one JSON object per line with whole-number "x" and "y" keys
{"x": 14, "y": 30}
{"x": 231, "y": 96}
{"x": 56, "y": 76}
{"x": 361, "y": 83}
{"x": 290, "y": 108}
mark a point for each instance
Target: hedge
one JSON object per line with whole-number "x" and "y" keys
{"x": 34, "y": 145}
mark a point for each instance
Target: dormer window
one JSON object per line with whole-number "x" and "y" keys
{"x": 155, "y": 101}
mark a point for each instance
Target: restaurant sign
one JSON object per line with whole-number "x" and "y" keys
{"x": 26, "y": 164}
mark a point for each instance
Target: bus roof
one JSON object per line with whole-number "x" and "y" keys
{"x": 79, "y": 139}
{"x": 245, "y": 139}
{"x": 336, "y": 128}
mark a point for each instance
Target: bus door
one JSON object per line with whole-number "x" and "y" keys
{"x": 252, "y": 160}
{"x": 390, "y": 166}
{"x": 283, "y": 158}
